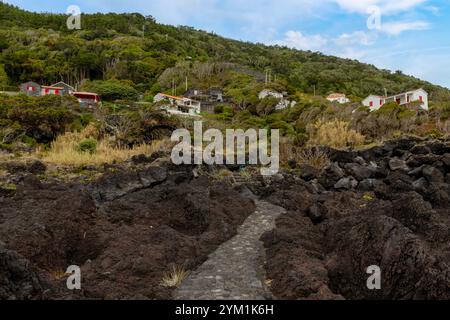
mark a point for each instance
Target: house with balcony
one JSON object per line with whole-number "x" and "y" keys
{"x": 178, "y": 105}
{"x": 375, "y": 102}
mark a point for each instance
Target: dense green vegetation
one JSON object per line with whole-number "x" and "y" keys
{"x": 112, "y": 56}
{"x": 113, "y": 46}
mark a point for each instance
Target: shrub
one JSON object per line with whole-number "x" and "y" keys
{"x": 64, "y": 150}
{"x": 336, "y": 134}
{"x": 87, "y": 145}
{"x": 111, "y": 90}
{"x": 218, "y": 109}
{"x": 174, "y": 278}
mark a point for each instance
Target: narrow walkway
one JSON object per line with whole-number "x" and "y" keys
{"x": 235, "y": 270}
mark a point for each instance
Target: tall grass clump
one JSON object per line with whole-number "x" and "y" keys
{"x": 86, "y": 148}
{"x": 335, "y": 133}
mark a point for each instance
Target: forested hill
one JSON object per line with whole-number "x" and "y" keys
{"x": 39, "y": 47}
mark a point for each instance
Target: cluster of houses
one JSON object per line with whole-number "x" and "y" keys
{"x": 375, "y": 102}
{"x": 196, "y": 101}
{"x": 86, "y": 99}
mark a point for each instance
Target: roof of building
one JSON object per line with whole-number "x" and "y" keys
{"x": 52, "y": 87}
{"x": 62, "y": 83}
{"x": 85, "y": 93}
{"x": 336, "y": 96}
{"x": 171, "y": 97}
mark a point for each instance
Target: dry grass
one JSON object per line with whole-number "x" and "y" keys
{"x": 174, "y": 278}
{"x": 314, "y": 157}
{"x": 336, "y": 134}
{"x": 63, "y": 150}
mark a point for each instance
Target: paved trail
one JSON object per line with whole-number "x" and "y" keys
{"x": 235, "y": 270}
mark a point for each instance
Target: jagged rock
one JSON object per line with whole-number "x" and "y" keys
{"x": 446, "y": 159}
{"x": 359, "y": 172}
{"x": 432, "y": 174}
{"x": 343, "y": 156}
{"x": 308, "y": 172}
{"x": 18, "y": 280}
{"x": 420, "y": 149}
{"x": 369, "y": 184}
{"x": 346, "y": 183}
{"x": 331, "y": 175}
{"x": 420, "y": 185}
{"x": 372, "y": 153}
{"x": 317, "y": 213}
{"x": 416, "y": 172}
{"x": 398, "y": 164}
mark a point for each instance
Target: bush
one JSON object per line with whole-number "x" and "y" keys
{"x": 87, "y": 145}
{"x": 335, "y": 134}
{"x": 111, "y": 90}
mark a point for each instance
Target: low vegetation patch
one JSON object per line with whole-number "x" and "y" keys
{"x": 175, "y": 277}
{"x": 78, "y": 148}
{"x": 336, "y": 134}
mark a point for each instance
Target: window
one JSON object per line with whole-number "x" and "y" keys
{"x": 371, "y": 104}
{"x": 420, "y": 98}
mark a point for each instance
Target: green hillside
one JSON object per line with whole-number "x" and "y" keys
{"x": 113, "y": 46}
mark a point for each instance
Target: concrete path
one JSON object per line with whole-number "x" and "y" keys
{"x": 235, "y": 270}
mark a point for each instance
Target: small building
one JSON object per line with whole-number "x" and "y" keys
{"x": 267, "y": 92}
{"x": 31, "y": 89}
{"x": 375, "y": 102}
{"x": 283, "y": 102}
{"x": 179, "y": 105}
{"x": 87, "y": 99}
{"x": 46, "y": 90}
{"x": 67, "y": 89}
{"x": 208, "y": 99}
{"x": 338, "y": 97}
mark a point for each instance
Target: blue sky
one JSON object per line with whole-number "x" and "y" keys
{"x": 408, "y": 35}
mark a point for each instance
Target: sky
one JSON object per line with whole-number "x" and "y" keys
{"x": 408, "y": 35}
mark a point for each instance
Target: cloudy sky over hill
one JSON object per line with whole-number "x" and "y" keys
{"x": 408, "y": 35}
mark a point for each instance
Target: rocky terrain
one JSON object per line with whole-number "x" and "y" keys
{"x": 126, "y": 230}
{"x": 128, "y": 226}
{"x": 387, "y": 206}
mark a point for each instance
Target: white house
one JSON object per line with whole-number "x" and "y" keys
{"x": 338, "y": 97}
{"x": 179, "y": 105}
{"x": 375, "y": 102}
{"x": 283, "y": 104}
{"x": 266, "y": 92}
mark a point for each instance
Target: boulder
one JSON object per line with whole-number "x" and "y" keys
{"x": 398, "y": 164}
{"x": 347, "y": 183}
{"x": 432, "y": 174}
{"x": 317, "y": 213}
{"x": 358, "y": 171}
{"x": 369, "y": 184}
{"x": 308, "y": 172}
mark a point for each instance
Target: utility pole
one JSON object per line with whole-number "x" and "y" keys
{"x": 186, "y": 83}
{"x": 385, "y": 92}
{"x": 314, "y": 90}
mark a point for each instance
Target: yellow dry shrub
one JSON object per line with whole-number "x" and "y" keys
{"x": 64, "y": 151}
{"x": 336, "y": 134}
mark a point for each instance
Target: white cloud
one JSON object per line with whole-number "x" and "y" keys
{"x": 386, "y": 6}
{"x": 396, "y": 28}
{"x": 297, "y": 40}
{"x": 356, "y": 38}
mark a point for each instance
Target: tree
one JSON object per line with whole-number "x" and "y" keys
{"x": 3, "y": 78}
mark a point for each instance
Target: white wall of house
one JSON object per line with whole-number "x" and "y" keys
{"x": 376, "y": 102}
{"x": 340, "y": 100}
{"x": 265, "y": 93}
{"x": 373, "y": 102}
